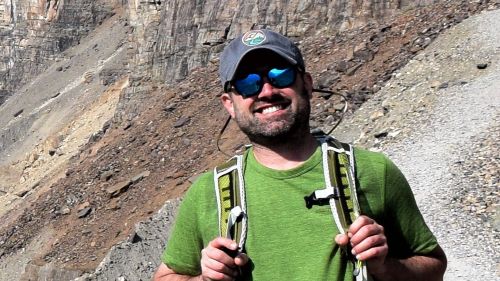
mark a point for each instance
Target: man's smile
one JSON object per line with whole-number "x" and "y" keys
{"x": 271, "y": 108}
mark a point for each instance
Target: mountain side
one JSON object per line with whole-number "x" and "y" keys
{"x": 163, "y": 134}
{"x": 33, "y": 33}
{"x": 438, "y": 119}
{"x": 422, "y": 110}
{"x": 176, "y": 37}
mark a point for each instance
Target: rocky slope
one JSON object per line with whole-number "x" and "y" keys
{"x": 438, "y": 119}
{"x": 423, "y": 109}
{"x": 75, "y": 200}
{"x": 33, "y": 33}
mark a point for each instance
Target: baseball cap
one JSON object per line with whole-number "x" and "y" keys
{"x": 262, "y": 39}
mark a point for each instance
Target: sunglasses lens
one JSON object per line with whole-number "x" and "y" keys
{"x": 252, "y": 84}
{"x": 281, "y": 78}
{"x": 249, "y": 85}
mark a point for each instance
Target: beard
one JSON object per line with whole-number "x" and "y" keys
{"x": 279, "y": 129}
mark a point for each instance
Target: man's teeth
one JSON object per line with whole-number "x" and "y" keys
{"x": 271, "y": 109}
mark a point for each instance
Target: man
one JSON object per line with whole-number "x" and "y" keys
{"x": 268, "y": 92}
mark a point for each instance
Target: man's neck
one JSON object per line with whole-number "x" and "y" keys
{"x": 284, "y": 156}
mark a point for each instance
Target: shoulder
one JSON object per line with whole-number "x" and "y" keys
{"x": 370, "y": 161}
{"x": 201, "y": 188}
{"x": 199, "y": 202}
{"x": 204, "y": 178}
{"x": 376, "y": 170}
{"x": 374, "y": 161}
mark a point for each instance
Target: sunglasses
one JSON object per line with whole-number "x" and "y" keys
{"x": 251, "y": 84}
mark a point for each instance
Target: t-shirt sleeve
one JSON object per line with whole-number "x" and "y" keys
{"x": 407, "y": 232}
{"x": 183, "y": 251}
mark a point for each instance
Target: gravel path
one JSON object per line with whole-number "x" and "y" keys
{"x": 445, "y": 141}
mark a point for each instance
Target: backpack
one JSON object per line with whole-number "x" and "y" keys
{"x": 340, "y": 194}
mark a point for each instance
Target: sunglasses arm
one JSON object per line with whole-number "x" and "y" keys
{"x": 344, "y": 108}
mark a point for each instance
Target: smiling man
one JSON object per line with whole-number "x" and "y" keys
{"x": 267, "y": 91}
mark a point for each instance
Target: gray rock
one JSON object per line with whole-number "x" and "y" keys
{"x": 181, "y": 122}
{"x": 139, "y": 177}
{"x": 118, "y": 188}
{"x": 84, "y": 212}
{"x": 139, "y": 256}
{"x": 106, "y": 175}
{"x": 482, "y": 65}
{"x": 48, "y": 272}
{"x": 185, "y": 94}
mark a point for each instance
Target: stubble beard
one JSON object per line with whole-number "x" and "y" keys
{"x": 279, "y": 130}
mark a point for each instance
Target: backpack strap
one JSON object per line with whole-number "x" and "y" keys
{"x": 339, "y": 192}
{"x": 231, "y": 203}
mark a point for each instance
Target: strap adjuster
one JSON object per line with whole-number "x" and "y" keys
{"x": 312, "y": 200}
{"x": 235, "y": 216}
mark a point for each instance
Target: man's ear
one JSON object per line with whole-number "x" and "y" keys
{"x": 227, "y": 102}
{"x": 308, "y": 83}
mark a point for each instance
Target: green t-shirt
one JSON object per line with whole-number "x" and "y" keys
{"x": 287, "y": 241}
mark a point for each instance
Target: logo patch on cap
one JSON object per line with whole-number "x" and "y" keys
{"x": 253, "y": 38}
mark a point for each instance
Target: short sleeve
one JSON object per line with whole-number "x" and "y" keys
{"x": 183, "y": 250}
{"x": 385, "y": 195}
{"x": 408, "y": 234}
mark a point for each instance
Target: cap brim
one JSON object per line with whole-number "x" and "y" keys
{"x": 273, "y": 49}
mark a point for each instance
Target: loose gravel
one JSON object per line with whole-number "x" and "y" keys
{"x": 446, "y": 141}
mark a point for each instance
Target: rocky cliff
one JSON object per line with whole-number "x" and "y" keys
{"x": 174, "y": 37}
{"x": 73, "y": 183}
{"x": 33, "y": 33}
{"x": 189, "y": 34}
{"x": 171, "y": 37}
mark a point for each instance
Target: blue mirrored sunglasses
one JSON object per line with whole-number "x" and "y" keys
{"x": 251, "y": 84}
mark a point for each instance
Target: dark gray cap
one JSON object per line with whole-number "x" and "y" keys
{"x": 263, "y": 39}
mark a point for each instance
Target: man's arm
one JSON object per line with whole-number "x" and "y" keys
{"x": 369, "y": 243}
{"x": 164, "y": 273}
{"x": 428, "y": 267}
{"x": 216, "y": 264}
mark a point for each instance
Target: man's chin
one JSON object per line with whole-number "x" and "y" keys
{"x": 273, "y": 135}
{"x": 273, "y": 130}
{"x": 276, "y": 128}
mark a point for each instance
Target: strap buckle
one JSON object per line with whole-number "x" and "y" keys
{"x": 312, "y": 200}
{"x": 235, "y": 216}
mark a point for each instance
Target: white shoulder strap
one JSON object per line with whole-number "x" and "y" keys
{"x": 231, "y": 200}
{"x": 332, "y": 193}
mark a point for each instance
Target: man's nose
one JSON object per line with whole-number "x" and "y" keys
{"x": 267, "y": 89}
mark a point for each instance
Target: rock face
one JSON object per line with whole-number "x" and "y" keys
{"x": 34, "y": 32}
{"x": 139, "y": 256}
{"x": 172, "y": 38}
{"x": 181, "y": 35}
